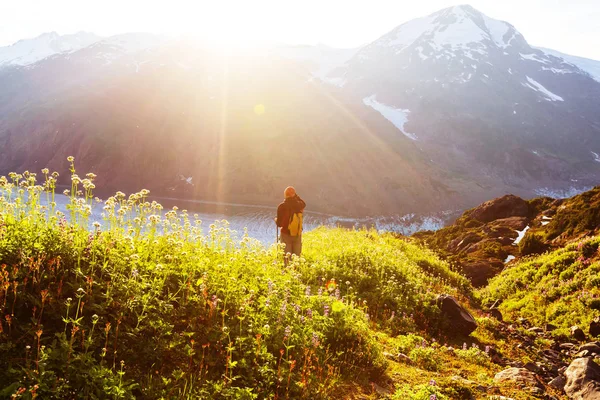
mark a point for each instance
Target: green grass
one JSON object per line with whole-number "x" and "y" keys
{"x": 559, "y": 287}
{"x": 152, "y": 305}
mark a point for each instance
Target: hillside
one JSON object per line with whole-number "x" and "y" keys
{"x": 486, "y": 238}
{"x": 153, "y": 304}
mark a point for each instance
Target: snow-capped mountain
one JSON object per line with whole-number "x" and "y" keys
{"x": 441, "y": 113}
{"x": 480, "y": 101}
{"x": 29, "y": 51}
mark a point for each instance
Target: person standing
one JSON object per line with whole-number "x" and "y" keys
{"x": 289, "y": 220}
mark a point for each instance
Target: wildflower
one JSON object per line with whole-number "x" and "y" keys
{"x": 464, "y": 346}
{"x": 320, "y": 292}
{"x": 487, "y": 350}
{"x": 433, "y": 397}
{"x": 432, "y": 382}
{"x": 326, "y": 310}
{"x": 337, "y": 293}
{"x": 283, "y": 308}
{"x": 287, "y": 332}
{"x": 134, "y": 273}
{"x": 271, "y": 285}
{"x": 315, "y": 339}
{"x": 70, "y": 159}
{"x": 267, "y": 302}
{"x": 45, "y": 171}
{"x": 307, "y": 291}
{"x": 309, "y": 313}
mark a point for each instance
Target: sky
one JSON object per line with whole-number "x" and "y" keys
{"x": 570, "y": 26}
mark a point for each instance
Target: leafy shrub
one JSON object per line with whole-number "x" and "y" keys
{"x": 531, "y": 244}
{"x": 426, "y": 358}
{"x": 420, "y": 392}
{"x": 473, "y": 355}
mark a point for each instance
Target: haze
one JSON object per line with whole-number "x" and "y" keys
{"x": 571, "y": 26}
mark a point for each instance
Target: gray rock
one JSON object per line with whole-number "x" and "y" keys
{"x": 577, "y": 333}
{"x": 533, "y": 367}
{"x": 558, "y": 383}
{"x": 583, "y": 380}
{"x": 519, "y": 376}
{"x": 462, "y": 321}
{"x": 595, "y": 327}
{"x": 592, "y": 347}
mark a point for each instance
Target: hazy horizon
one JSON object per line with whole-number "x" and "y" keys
{"x": 569, "y": 27}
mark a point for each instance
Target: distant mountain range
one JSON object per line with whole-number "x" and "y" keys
{"x": 441, "y": 113}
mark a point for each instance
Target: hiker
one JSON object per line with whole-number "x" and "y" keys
{"x": 289, "y": 219}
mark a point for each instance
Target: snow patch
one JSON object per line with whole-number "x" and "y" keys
{"x": 509, "y": 259}
{"x": 596, "y": 157}
{"x": 544, "y": 223}
{"x": 396, "y": 116}
{"x": 521, "y": 235}
{"x": 533, "y": 57}
{"x": 538, "y": 87}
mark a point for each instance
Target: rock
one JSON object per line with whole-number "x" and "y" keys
{"x": 532, "y": 367}
{"x": 566, "y": 346}
{"x": 583, "y": 379}
{"x": 536, "y": 330}
{"x": 495, "y": 313}
{"x": 577, "y": 333}
{"x": 584, "y": 353}
{"x": 558, "y": 383}
{"x": 462, "y": 322}
{"x": 592, "y": 347}
{"x": 551, "y": 354}
{"x": 595, "y": 327}
{"x": 520, "y": 376}
{"x": 503, "y": 207}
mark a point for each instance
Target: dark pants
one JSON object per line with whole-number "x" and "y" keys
{"x": 293, "y": 245}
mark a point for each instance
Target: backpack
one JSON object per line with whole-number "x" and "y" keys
{"x": 295, "y": 225}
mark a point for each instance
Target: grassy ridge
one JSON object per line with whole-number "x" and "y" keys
{"x": 150, "y": 304}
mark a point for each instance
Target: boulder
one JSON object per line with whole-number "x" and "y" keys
{"x": 503, "y": 207}
{"x": 595, "y": 327}
{"x": 518, "y": 376}
{"x": 461, "y": 321}
{"x": 592, "y": 347}
{"x": 583, "y": 380}
{"x": 577, "y": 333}
{"x": 558, "y": 383}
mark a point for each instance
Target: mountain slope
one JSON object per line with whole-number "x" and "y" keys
{"x": 592, "y": 67}
{"x": 29, "y": 51}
